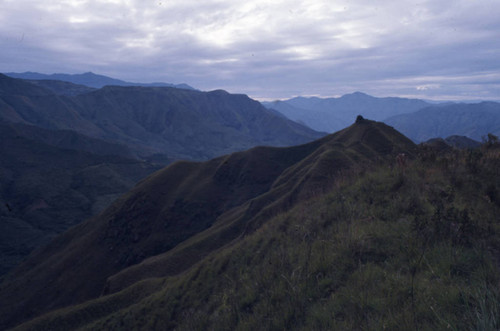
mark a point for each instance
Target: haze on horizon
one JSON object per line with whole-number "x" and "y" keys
{"x": 268, "y": 50}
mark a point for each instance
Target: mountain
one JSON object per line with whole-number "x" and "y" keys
{"x": 189, "y": 124}
{"x": 50, "y": 181}
{"x": 89, "y": 79}
{"x": 26, "y": 103}
{"x": 380, "y": 246}
{"x": 471, "y": 120}
{"x": 180, "y": 123}
{"x": 65, "y": 134}
{"x": 332, "y": 114}
{"x": 460, "y": 142}
{"x": 185, "y": 213}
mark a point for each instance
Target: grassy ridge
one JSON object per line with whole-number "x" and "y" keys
{"x": 415, "y": 248}
{"x": 179, "y": 215}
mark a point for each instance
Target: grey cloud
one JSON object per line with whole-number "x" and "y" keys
{"x": 337, "y": 47}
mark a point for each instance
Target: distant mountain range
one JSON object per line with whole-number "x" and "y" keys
{"x": 417, "y": 119}
{"x": 180, "y": 123}
{"x": 89, "y": 79}
{"x": 472, "y": 120}
{"x": 320, "y": 114}
{"x": 333, "y": 114}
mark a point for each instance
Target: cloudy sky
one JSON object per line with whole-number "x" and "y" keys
{"x": 436, "y": 49}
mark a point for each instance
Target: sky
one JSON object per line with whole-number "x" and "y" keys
{"x": 436, "y": 49}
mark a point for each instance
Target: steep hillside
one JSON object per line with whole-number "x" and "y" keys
{"x": 471, "y": 120}
{"x": 181, "y": 214}
{"x": 188, "y": 124}
{"x": 400, "y": 248}
{"x": 48, "y": 183}
{"x": 332, "y": 114}
{"x": 180, "y": 123}
{"x": 26, "y": 103}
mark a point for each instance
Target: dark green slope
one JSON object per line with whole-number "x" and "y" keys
{"x": 48, "y": 183}
{"x": 320, "y": 164}
{"x": 412, "y": 248}
{"x": 179, "y": 215}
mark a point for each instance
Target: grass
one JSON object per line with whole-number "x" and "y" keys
{"x": 395, "y": 249}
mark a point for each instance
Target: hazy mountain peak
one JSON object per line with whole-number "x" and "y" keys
{"x": 219, "y": 92}
{"x": 356, "y": 94}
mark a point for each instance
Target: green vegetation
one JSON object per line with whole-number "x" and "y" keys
{"x": 399, "y": 249}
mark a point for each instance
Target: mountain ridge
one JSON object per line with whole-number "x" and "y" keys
{"x": 180, "y": 123}
{"x": 332, "y": 114}
{"x": 187, "y": 210}
{"x": 474, "y": 120}
{"x": 89, "y": 79}
{"x": 385, "y": 246}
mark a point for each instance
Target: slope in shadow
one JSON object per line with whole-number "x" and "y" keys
{"x": 179, "y": 215}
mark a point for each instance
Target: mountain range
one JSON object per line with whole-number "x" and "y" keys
{"x": 70, "y": 150}
{"x": 332, "y": 234}
{"x": 417, "y": 119}
{"x": 179, "y": 123}
{"x": 333, "y": 114}
{"x": 88, "y": 79}
{"x": 474, "y": 120}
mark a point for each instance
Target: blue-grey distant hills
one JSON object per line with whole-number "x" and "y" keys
{"x": 333, "y": 114}
{"x": 471, "y": 120}
{"x": 89, "y": 79}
